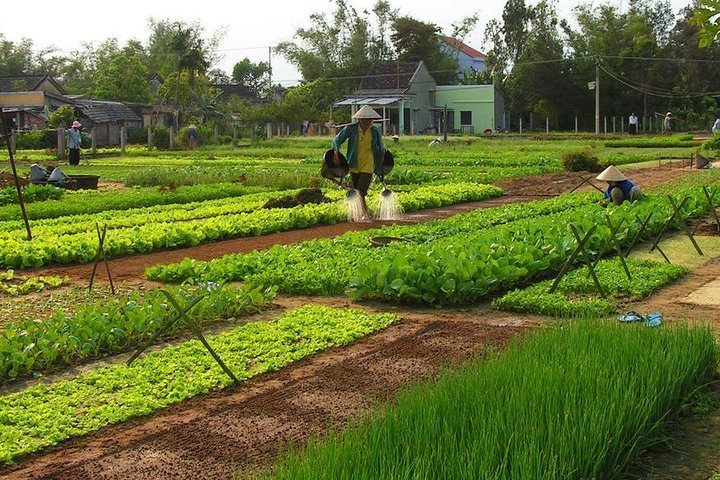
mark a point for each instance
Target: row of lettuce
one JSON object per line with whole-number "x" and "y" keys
{"x": 44, "y": 415}
{"x": 65, "y": 241}
{"x": 461, "y": 259}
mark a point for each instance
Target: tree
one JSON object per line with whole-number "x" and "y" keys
{"x": 19, "y": 58}
{"x": 343, "y": 47}
{"x": 254, "y": 76}
{"x": 707, "y": 17}
{"x": 124, "y": 78}
{"x": 418, "y": 41}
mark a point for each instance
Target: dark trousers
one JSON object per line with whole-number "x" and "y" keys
{"x": 74, "y": 156}
{"x": 632, "y": 128}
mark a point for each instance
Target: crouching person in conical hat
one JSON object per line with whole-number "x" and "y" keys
{"x": 365, "y": 150}
{"x": 619, "y": 188}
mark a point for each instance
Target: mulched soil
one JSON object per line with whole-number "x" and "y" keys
{"x": 240, "y": 429}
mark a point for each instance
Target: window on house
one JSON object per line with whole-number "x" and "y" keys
{"x": 466, "y": 118}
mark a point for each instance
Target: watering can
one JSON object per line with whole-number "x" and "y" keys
{"x": 336, "y": 173}
{"x": 388, "y": 162}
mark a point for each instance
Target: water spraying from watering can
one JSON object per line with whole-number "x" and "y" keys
{"x": 390, "y": 207}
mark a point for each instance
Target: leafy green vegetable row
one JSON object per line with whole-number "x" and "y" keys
{"x": 81, "y": 247}
{"x": 84, "y": 201}
{"x": 117, "y": 219}
{"x": 31, "y": 193}
{"x": 44, "y": 415}
{"x": 325, "y": 266}
{"x": 32, "y": 345}
{"x": 580, "y": 400}
{"x": 12, "y": 284}
{"x": 576, "y": 294}
{"x": 465, "y": 268}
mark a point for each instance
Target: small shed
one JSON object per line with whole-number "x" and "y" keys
{"x": 107, "y": 118}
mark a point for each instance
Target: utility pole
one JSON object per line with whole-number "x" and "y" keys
{"x": 597, "y": 96}
{"x": 270, "y": 92}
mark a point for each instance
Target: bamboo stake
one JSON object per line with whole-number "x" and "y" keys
{"x": 15, "y": 176}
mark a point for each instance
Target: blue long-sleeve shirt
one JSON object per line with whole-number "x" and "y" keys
{"x": 74, "y": 138}
{"x": 625, "y": 186}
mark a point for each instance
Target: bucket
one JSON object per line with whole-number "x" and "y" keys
{"x": 387, "y": 165}
{"x": 330, "y": 170}
{"x": 85, "y": 182}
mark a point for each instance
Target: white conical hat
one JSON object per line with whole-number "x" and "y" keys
{"x": 56, "y": 175}
{"x": 366, "y": 112}
{"x": 611, "y": 174}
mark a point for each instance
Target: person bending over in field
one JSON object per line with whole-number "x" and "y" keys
{"x": 619, "y": 188}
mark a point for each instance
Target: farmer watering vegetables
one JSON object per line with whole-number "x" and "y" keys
{"x": 365, "y": 151}
{"x": 619, "y": 188}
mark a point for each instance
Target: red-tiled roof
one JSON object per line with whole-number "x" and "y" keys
{"x": 466, "y": 49}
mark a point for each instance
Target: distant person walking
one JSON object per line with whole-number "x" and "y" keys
{"x": 633, "y": 124}
{"x": 192, "y": 137}
{"x": 74, "y": 141}
{"x": 667, "y": 124}
{"x": 716, "y": 126}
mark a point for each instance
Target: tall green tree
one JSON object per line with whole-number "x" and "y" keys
{"x": 123, "y": 78}
{"x": 419, "y": 41}
{"x": 254, "y": 76}
{"x": 342, "y": 46}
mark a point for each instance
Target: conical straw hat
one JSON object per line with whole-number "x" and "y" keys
{"x": 366, "y": 112}
{"x": 611, "y": 174}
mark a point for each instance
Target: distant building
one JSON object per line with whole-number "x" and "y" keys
{"x": 469, "y": 59}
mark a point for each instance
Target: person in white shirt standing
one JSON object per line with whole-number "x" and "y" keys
{"x": 633, "y": 124}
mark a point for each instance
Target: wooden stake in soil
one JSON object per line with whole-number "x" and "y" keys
{"x": 194, "y": 327}
{"x": 15, "y": 175}
{"x": 101, "y": 253}
{"x": 586, "y": 260}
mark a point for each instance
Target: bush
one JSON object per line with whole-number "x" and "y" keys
{"x": 36, "y": 140}
{"x": 31, "y": 193}
{"x": 580, "y": 161}
{"x": 137, "y": 135}
{"x": 161, "y": 137}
